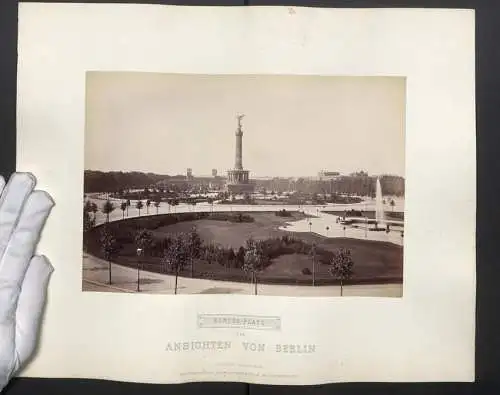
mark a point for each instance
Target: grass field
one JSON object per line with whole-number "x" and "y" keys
{"x": 374, "y": 262}
{"x": 232, "y": 234}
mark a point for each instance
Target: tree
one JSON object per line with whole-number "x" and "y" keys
{"x": 88, "y": 224}
{"x": 87, "y": 208}
{"x": 208, "y": 253}
{"x": 94, "y": 209}
{"x": 123, "y": 207}
{"x": 240, "y": 257}
{"x": 144, "y": 240}
{"x": 218, "y": 254}
{"x": 88, "y": 221}
{"x": 176, "y": 256}
{"x": 253, "y": 260}
{"x": 109, "y": 247}
{"x": 139, "y": 205}
{"x": 107, "y": 208}
{"x": 157, "y": 203}
{"x": 161, "y": 248}
{"x": 392, "y": 203}
{"x": 211, "y": 202}
{"x": 172, "y": 203}
{"x": 194, "y": 246}
{"x": 341, "y": 266}
{"x": 148, "y": 203}
{"x": 231, "y": 256}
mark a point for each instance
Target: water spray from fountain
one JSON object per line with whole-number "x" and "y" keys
{"x": 379, "y": 204}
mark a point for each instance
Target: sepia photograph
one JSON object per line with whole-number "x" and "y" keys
{"x": 276, "y": 185}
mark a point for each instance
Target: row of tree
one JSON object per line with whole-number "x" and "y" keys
{"x": 359, "y": 183}
{"x": 113, "y": 181}
{"x": 108, "y": 207}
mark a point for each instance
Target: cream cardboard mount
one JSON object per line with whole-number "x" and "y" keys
{"x": 427, "y": 334}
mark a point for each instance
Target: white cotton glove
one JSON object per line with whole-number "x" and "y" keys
{"x": 23, "y": 277}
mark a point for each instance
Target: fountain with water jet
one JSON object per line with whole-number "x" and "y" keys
{"x": 379, "y": 208}
{"x": 379, "y": 204}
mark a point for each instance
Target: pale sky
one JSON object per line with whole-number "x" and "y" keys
{"x": 293, "y": 125}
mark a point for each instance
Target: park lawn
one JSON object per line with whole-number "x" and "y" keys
{"x": 233, "y": 234}
{"x": 374, "y": 261}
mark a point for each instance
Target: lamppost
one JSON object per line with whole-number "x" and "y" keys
{"x": 366, "y": 224}
{"x": 314, "y": 263}
{"x": 310, "y": 224}
{"x": 139, "y": 253}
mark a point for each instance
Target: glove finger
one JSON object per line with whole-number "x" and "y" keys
{"x": 20, "y": 249}
{"x": 13, "y": 197}
{"x": 30, "y": 306}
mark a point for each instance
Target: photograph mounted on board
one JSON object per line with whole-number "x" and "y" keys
{"x": 284, "y": 185}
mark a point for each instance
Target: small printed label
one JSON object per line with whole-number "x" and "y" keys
{"x": 239, "y": 321}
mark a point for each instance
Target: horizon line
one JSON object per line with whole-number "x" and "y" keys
{"x": 223, "y": 174}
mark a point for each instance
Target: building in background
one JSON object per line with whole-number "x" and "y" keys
{"x": 326, "y": 175}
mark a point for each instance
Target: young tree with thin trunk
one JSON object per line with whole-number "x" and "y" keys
{"x": 157, "y": 203}
{"x": 341, "y": 266}
{"x": 107, "y": 208}
{"x": 123, "y": 207}
{"x": 109, "y": 247}
{"x": 231, "y": 257}
{"x": 148, "y": 203}
{"x": 88, "y": 224}
{"x": 139, "y": 205}
{"x": 94, "y": 209}
{"x": 253, "y": 260}
{"x": 175, "y": 203}
{"x": 194, "y": 245}
{"x": 87, "y": 207}
{"x": 176, "y": 256}
{"x": 211, "y": 202}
